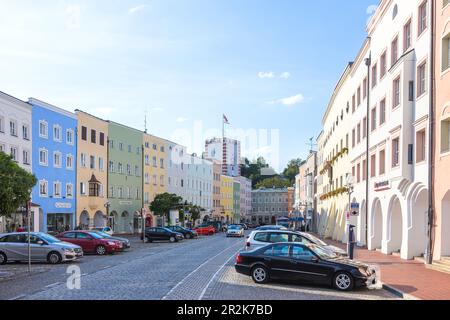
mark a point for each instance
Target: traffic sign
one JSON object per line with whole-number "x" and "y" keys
{"x": 354, "y": 209}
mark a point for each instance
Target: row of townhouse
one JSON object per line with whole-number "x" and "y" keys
{"x": 94, "y": 173}
{"x": 386, "y": 132}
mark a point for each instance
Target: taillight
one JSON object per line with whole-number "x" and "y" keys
{"x": 238, "y": 259}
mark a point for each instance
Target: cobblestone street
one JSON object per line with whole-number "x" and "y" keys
{"x": 190, "y": 270}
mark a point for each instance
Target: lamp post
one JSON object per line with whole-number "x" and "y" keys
{"x": 349, "y": 191}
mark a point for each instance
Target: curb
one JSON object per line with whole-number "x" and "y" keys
{"x": 398, "y": 292}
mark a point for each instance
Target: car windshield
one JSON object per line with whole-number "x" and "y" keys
{"x": 321, "y": 252}
{"x": 48, "y": 238}
{"x": 95, "y": 235}
{"x": 234, "y": 227}
{"x": 315, "y": 240}
{"x": 105, "y": 235}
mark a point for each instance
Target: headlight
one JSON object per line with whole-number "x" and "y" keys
{"x": 68, "y": 249}
{"x": 111, "y": 243}
{"x": 363, "y": 271}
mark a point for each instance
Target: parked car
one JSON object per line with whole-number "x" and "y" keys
{"x": 235, "y": 230}
{"x": 125, "y": 242}
{"x": 258, "y": 238}
{"x": 303, "y": 262}
{"x": 44, "y": 247}
{"x": 243, "y": 225}
{"x": 187, "y": 233}
{"x": 277, "y": 227}
{"x": 161, "y": 234}
{"x": 91, "y": 242}
{"x": 107, "y": 230}
{"x": 205, "y": 230}
{"x": 251, "y": 225}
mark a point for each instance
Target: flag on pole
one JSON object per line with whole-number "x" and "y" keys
{"x": 225, "y": 120}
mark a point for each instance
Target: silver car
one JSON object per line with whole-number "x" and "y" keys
{"x": 44, "y": 248}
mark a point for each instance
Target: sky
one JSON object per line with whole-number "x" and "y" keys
{"x": 269, "y": 65}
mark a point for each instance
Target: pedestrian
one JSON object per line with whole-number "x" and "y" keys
{"x": 67, "y": 228}
{"x": 20, "y": 229}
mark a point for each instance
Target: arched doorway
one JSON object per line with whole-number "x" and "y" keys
{"x": 445, "y": 225}
{"x": 99, "y": 220}
{"x": 394, "y": 226}
{"x": 84, "y": 220}
{"x": 112, "y": 220}
{"x": 376, "y": 226}
{"x": 125, "y": 225}
{"x": 418, "y": 234}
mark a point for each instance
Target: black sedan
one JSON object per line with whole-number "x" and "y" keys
{"x": 161, "y": 234}
{"x": 187, "y": 233}
{"x": 125, "y": 242}
{"x": 303, "y": 262}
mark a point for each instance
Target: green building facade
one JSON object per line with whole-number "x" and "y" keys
{"x": 124, "y": 178}
{"x": 237, "y": 201}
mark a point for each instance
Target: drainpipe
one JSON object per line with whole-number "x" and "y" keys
{"x": 431, "y": 140}
{"x": 368, "y": 64}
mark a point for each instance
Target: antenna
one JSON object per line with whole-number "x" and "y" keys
{"x": 145, "y": 122}
{"x": 311, "y": 145}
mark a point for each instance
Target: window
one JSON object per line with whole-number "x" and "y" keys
{"x": 383, "y": 65}
{"x": 136, "y": 171}
{"x": 396, "y": 93}
{"x": 26, "y": 157}
{"x": 2, "y": 124}
{"x": 128, "y": 169}
{"x": 83, "y": 160}
{"x": 43, "y": 157}
{"x": 422, "y": 18}
{"x": 353, "y": 103}
{"x": 69, "y": 191}
{"x": 301, "y": 253}
{"x": 394, "y": 51}
{"x": 407, "y": 36}
{"x": 120, "y": 146}
{"x": 154, "y": 162}
{"x": 129, "y": 148}
{"x": 57, "y": 133}
{"x": 395, "y": 152}
{"x": 445, "y": 135}
{"x": 358, "y": 96}
{"x": 364, "y": 169}
{"x": 162, "y": 149}
{"x": 93, "y": 136}
{"x": 43, "y": 188}
{"x": 82, "y": 188}
{"x": 161, "y": 162}
{"x": 111, "y": 144}
{"x": 147, "y": 160}
{"x": 382, "y": 111}
{"x": 57, "y": 189}
{"x": 43, "y": 129}
{"x": 421, "y": 146}
{"x": 374, "y": 119}
{"x": 161, "y": 181}
{"x": 154, "y": 147}
{"x": 84, "y": 133}
{"x": 364, "y": 133}
{"x": 111, "y": 166}
{"x": 102, "y": 139}
{"x": 373, "y": 165}
{"x": 94, "y": 189}
{"x": 364, "y": 88}
{"x": 25, "y": 132}
{"x": 13, "y": 128}
{"x": 421, "y": 79}
{"x": 446, "y": 53}
{"x": 278, "y": 237}
{"x": 57, "y": 159}
{"x": 14, "y": 154}
{"x": 101, "y": 164}
{"x": 147, "y": 178}
{"x": 92, "y": 162}
{"x": 353, "y": 138}
{"x": 382, "y": 164}
{"x": 374, "y": 75}
{"x": 111, "y": 192}
{"x": 120, "y": 168}
{"x": 69, "y": 136}
{"x": 358, "y": 173}
{"x": 138, "y": 150}
{"x": 69, "y": 162}
{"x": 358, "y": 133}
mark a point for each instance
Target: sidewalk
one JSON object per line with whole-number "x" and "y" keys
{"x": 407, "y": 276}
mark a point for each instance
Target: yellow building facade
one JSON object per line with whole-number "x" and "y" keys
{"x": 226, "y": 201}
{"x": 92, "y": 171}
{"x": 155, "y": 172}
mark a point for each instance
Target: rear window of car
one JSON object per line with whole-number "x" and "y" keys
{"x": 261, "y": 237}
{"x": 299, "y": 239}
{"x": 278, "y": 237}
{"x": 69, "y": 235}
{"x": 14, "y": 238}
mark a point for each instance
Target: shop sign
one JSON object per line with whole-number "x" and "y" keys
{"x": 63, "y": 205}
{"x": 383, "y": 185}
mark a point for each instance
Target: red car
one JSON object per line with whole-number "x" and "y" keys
{"x": 205, "y": 230}
{"x": 91, "y": 242}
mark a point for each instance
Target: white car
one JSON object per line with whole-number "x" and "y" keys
{"x": 260, "y": 238}
{"x": 235, "y": 230}
{"x": 106, "y": 230}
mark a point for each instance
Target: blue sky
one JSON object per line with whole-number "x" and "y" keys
{"x": 266, "y": 64}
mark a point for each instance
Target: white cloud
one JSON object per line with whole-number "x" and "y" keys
{"x": 181, "y": 119}
{"x": 157, "y": 109}
{"x": 137, "y": 9}
{"x": 285, "y": 75}
{"x": 103, "y": 112}
{"x": 289, "y": 101}
{"x": 266, "y": 75}
{"x": 73, "y": 17}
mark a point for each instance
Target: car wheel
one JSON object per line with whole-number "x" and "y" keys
{"x": 149, "y": 240}
{"x": 3, "y": 258}
{"x": 260, "y": 274}
{"x": 54, "y": 258}
{"x": 343, "y": 281}
{"x": 100, "y": 250}
{"x": 172, "y": 239}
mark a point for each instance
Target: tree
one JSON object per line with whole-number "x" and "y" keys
{"x": 274, "y": 182}
{"x": 292, "y": 170}
{"x": 252, "y": 170}
{"x": 15, "y": 185}
{"x": 163, "y": 203}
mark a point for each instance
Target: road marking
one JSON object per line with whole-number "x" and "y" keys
{"x": 215, "y": 275}
{"x": 53, "y": 285}
{"x": 18, "y": 297}
{"x": 195, "y": 270}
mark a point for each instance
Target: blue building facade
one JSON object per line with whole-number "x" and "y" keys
{"x": 54, "y": 165}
